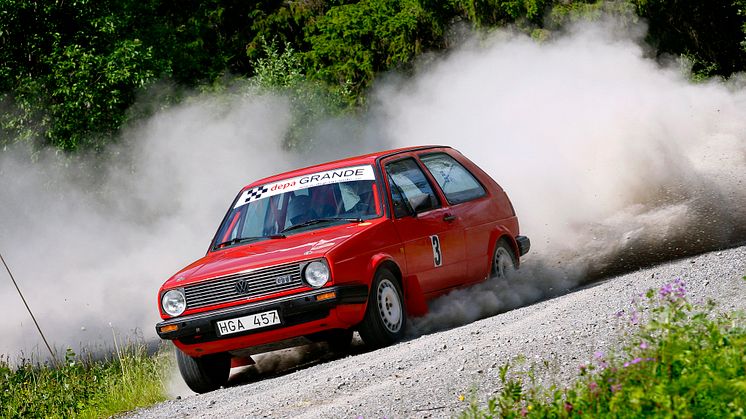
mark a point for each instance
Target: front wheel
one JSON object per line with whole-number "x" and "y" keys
{"x": 206, "y": 373}
{"x": 385, "y": 317}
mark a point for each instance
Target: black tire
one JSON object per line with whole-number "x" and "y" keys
{"x": 503, "y": 260}
{"x": 385, "y": 318}
{"x": 205, "y": 373}
{"x": 339, "y": 340}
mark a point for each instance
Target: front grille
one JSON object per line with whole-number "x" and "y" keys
{"x": 260, "y": 282}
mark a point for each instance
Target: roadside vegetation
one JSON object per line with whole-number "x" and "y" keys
{"x": 81, "y": 386}
{"x": 682, "y": 360}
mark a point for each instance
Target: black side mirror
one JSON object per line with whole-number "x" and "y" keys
{"x": 423, "y": 203}
{"x": 403, "y": 209}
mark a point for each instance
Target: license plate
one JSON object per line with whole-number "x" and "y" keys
{"x": 252, "y": 321}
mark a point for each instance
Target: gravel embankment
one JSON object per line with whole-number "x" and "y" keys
{"x": 424, "y": 377}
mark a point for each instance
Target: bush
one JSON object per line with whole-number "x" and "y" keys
{"x": 684, "y": 360}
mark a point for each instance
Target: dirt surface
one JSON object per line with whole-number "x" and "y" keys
{"x": 425, "y": 376}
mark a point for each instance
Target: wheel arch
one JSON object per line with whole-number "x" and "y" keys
{"x": 383, "y": 260}
{"x": 413, "y": 298}
{"x": 502, "y": 233}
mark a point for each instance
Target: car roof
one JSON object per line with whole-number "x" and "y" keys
{"x": 349, "y": 161}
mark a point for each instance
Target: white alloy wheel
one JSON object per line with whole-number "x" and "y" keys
{"x": 502, "y": 261}
{"x": 389, "y": 305}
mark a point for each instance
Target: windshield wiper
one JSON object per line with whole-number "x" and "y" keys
{"x": 245, "y": 239}
{"x": 323, "y": 220}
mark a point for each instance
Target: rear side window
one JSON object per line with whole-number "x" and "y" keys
{"x": 410, "y": 188}
{"x": 457, "y": 183}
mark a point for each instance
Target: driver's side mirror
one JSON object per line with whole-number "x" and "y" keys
{"x": 422, "y": 203}
{"x": 403, "y": 209}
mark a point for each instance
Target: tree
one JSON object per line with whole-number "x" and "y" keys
{"x": 70, "y": 69}
{"x": 709, "y": 32}
{"x": 353, "y": 42}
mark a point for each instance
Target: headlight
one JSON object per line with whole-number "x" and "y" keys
{"x": 173, "y": 302}
{"x": 316, "y": 274}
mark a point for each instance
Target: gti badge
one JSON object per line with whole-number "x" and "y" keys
{"x": 282, "y": 280}
{"x": 242, "y": 286}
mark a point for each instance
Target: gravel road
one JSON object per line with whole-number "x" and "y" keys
{"x": 424, "y": 376}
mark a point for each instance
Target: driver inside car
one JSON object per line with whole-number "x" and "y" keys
{"x": 299, "y": 210}
{"x": 365, "y": 204}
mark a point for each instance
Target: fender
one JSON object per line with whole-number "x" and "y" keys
{"x": 375, "y": 262}
{"x": 414, "y": 299}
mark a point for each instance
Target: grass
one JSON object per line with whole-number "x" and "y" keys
{"x": 83, "y": 386}
{"x": 684, "y": 360}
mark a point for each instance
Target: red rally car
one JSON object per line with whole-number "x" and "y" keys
{"x": 356, "y": 244}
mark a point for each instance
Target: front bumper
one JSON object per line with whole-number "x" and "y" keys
{"x": 294, "y": 310}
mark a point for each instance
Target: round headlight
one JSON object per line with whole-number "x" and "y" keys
{"x": 316, "y": 274}
{"x": 173, "y": 302}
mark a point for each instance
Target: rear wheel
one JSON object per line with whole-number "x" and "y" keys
{"x": 503, "y": 260}
{"x": 385, "y": 317}
{"x": 206, "y": 373}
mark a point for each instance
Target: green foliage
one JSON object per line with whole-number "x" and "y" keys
{"x": 278, "y": 69}
{"x": 68, "y": 70}
{"x": 685, "y": 361}
{"x": 710, "y": 33}
{"x": 83, "y": 387}
{"x": 311, "y": 101}
{"x": 353, "y": 42}
{"x": 741, "y": 9}
{"x": 71, "y": 71}
{"x": 489, "y": 13}
{"x": 563, "y": 13}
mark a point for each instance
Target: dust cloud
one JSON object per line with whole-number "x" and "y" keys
{"x": 612, "y": 160}
{"x": 91, "y": 238}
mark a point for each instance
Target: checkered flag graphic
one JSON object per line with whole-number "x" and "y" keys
{"x": 255, "y": 193}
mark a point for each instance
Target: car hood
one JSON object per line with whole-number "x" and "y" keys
{"x": 295, "y": 247}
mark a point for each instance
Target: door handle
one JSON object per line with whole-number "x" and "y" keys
{"x": 449, "y": 218}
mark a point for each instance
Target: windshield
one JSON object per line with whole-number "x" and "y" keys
{"x": 299, "y": 204}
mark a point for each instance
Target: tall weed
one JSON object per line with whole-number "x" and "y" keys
{"x": 83, "y": 386}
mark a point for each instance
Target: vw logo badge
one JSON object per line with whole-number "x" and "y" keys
{"x": 242, "y": 286}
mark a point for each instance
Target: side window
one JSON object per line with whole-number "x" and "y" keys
{"x": 457, "y": 183}
{"x": 410, "y": 189}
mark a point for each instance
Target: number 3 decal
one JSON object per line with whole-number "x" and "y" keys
{"x": 437, "y": 255}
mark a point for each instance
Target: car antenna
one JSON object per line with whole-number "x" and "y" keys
{"x": 54, "y": 358}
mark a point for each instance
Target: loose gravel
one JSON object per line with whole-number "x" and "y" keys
{"x": 428, "y": 375}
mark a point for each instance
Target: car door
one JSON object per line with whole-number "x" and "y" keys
{"x": 432, "y": 238}
{"x": 470, "y": 204}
